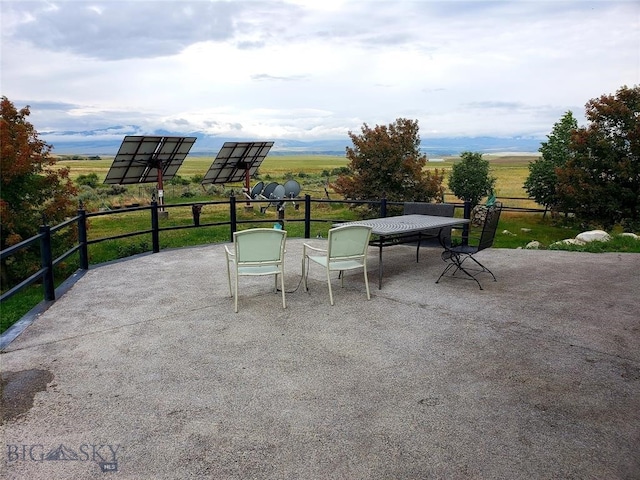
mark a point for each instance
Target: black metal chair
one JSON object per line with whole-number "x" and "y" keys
{"x": 456, "y": 256}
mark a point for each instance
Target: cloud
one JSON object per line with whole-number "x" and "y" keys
{"x": 303, "y": 69}
{"x": 265, "y": 76}
{"x": 117, "y": 30}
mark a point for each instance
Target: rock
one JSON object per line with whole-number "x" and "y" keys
{"x": 630, "y": 235}
{"x": 478, "y": 215}
{"x": 507, "y": 232}
{"x": 568, "y": 241}
{"x": 594, "y": 235}
{"x": 525, "y": 230}
{"x": 533, "y": 245}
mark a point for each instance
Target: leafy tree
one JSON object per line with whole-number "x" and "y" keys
{"x": 542, "y": 180}
{"x": 601, "y": 181}
{"x": 386, "y": 161}
{"x": 470, "y": 179}
{"x": 90, "y": 180}
{"x": 31, "y": 186}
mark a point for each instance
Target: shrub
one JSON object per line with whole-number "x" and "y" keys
{"x": 178, "y": 180}
{"x": 89, "y": 180}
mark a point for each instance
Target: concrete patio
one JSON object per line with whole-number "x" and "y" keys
{"x": 143, "y": 371}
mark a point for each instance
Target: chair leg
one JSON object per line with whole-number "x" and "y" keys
{"x": 484, "y": 269}
{"x": 366, "y": 281}
{"x": 235, "y": 297}
{"x": 447, "y": 268}
{"x": 284, "y": 303}
{"x": 456, "y": 263}
{"x": 229, "y": 278}
{"x": 305, "y": 273}
{"x": 470, "y": 276}
{"x": 329, "y": 282}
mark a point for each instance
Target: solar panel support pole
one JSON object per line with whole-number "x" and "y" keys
{"x": 155, "y": 228}
{"x": 247, "y": 184}
{"x": 160, "y": 189}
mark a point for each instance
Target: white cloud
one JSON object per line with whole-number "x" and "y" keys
{"x": 304, "y": 69}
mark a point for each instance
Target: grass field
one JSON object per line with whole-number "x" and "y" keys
{"x": 275, "y": 165}
{"x": 510, "y": 171}
{"x": 312, "y": 172}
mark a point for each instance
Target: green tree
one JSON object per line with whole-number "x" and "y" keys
{"x": 90, "y": 180}
{"x": 542, "y": 182}
{"x": 470, "y": 179}
{"x": 386, "y": 161}
{"x": 31, "y": 187}
{"x": 601, "y": 181}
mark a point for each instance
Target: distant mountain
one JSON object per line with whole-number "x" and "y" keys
{"x": 107, "y": 142}
{"x": 488, "y": 145}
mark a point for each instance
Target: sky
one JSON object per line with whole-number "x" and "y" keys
{"x": 312, "y": 70}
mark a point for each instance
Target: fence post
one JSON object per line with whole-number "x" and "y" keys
{"x": 195, "y": 211}
{"x": 465, "y": 227}
{"x": 232, "y": 216}
{"x": 307, "y": 216}
{"x": 46, "y": 262}
{"x": 155, "y": 227}
{"x": 82, "y": 238}
{"x": 383, "y": 206}
{"x": 281, "y": 214}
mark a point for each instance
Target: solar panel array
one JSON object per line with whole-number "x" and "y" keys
{"x": 233, "y": 161}
{"x": 140, "y": 157}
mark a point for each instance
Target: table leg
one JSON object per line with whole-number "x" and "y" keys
{"x": 380, "y": 265}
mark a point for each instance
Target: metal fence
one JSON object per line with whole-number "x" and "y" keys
{"x": 43, "y": 239}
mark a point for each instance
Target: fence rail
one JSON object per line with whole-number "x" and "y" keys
{"x": 45, "y": 274}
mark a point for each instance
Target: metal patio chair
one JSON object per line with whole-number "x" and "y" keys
{"x": 257, "y": 251}
{"x": 347, "y": 250}
{"x": 460, "y": 258}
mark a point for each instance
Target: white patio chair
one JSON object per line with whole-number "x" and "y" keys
{"x": 257, "y": 251}
{"x": 347, "y": 250}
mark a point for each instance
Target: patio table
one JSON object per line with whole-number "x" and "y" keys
{"x": 404, "y": 229}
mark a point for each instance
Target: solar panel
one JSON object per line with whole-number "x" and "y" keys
{"x": 235, "y": 160}
{"x": 139, "y": 159}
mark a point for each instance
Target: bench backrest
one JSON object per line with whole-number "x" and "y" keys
{"x": 438, "y": 209}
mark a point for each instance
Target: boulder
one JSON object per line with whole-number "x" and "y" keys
{"x": 630, "y": 235}
{"x": 533, "y": 245}
{"x": 593, "y": 236}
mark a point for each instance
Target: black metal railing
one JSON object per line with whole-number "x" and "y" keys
{"x": 43, "y": 239}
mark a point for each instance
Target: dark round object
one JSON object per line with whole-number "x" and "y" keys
{"x": 291, "y": 189}
{"x": 268, "y": 190}
{"x": 257, "y": 189}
